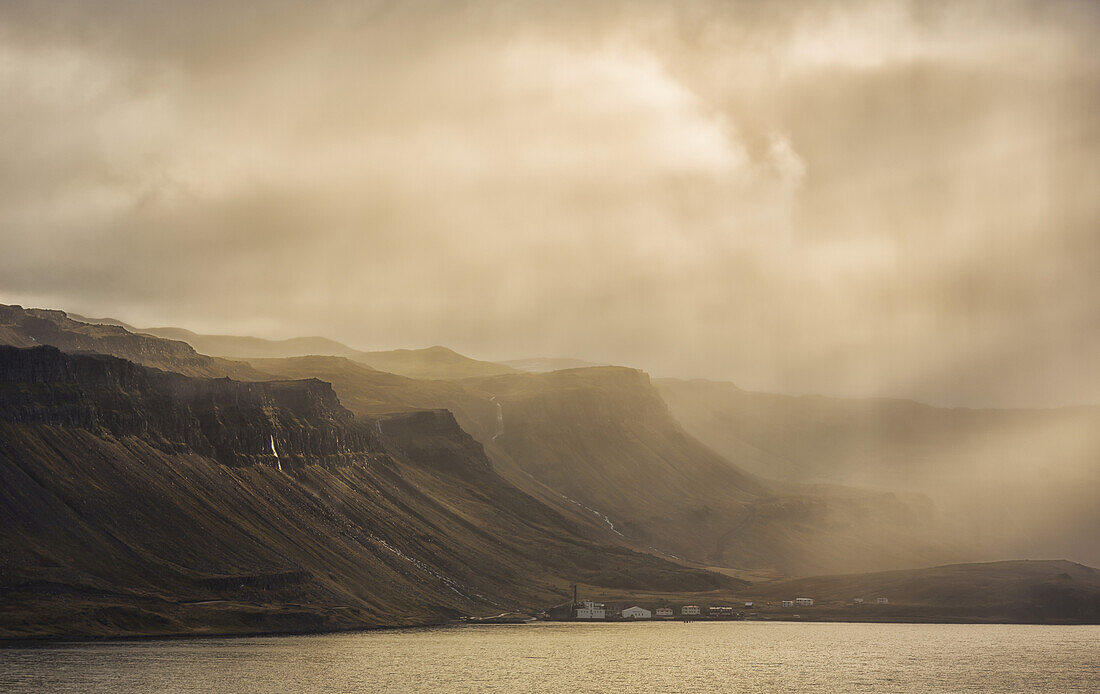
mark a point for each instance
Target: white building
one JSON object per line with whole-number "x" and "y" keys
{"x": 637, "y": 613}
{"x": 664, "y": 612}
{"x": 748, "y": 604}
{"x": 788, "y": 603}
{"x": 591, "y": 610}
{"x": 804, "y": 602}
{"x": 857, "y": 601}
{"x": 690, "y": 610}
{"x": 882, "y": 601}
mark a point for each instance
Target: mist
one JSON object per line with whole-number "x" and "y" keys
{"x": 857, "y": 199}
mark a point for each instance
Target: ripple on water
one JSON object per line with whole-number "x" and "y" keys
{"x": 576, "y": 658}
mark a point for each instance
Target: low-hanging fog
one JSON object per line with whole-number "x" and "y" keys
{"x": 851, "y": 198}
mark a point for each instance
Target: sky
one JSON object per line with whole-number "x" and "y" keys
{"x": 881, "y": 198}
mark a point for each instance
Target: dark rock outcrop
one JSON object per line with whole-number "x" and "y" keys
{"x": 433, "y": 438}
{"x": 134, "y": 501}
{"x": 285, "y": 424}
{"x": 32, "y": 327}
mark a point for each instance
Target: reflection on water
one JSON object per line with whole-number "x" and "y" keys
{"x": 574, "y": 658}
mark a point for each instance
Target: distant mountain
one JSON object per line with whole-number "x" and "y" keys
{"x": 1022, "y": 482}
{"x": 234, "y": 347}
{"x": 603, "y": 437}
{"x": 430, "y": 363}
{"x": 20, "y": 327}
{"x": 433, "y": 363}
{"x": 1016, "y": 591}
{"x": 545, "y": 364}
{"x": 598, "y": 443}
{"x": 134, "y": 501}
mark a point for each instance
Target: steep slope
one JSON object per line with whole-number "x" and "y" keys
{"x": 1023, "y": 482}
{"x": 603, "y": 437}
{"x": 134, "y": 501}
{"x": 20, "y": 327}
{"x": 599, "y": 444}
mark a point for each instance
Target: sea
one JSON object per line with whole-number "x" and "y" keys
{"x": 570, "y": 658}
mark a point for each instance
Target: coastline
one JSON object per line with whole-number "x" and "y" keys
{"x": 54, "y": 640}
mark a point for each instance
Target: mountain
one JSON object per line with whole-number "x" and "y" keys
{"x": 544, "y": 364}
{"x": 599, "y": 445}
{"x": 239, "y": 347}
{"x": 135, "y": 501}
{"x": 429, "y": 363}
{"x": 603, "y": 437}
{"x": 1005, "y": 591}
{"x": 433, "y": 363}
{"x": 1020, "y": 482}
{"x": 369, "y": 392}
{"x": 20, "y": 327}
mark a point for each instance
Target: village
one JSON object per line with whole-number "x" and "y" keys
{"x": 590, "y": 610}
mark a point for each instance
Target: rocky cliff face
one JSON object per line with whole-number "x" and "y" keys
{"x": 285, "y": 424}
{"x": 134, "y": 501}
{"x": 433, "y": 438}
{"x": 32, "y": 327}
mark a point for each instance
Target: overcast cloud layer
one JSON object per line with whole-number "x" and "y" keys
{"x": 882, "y": 198}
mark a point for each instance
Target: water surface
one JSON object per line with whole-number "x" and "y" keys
{"x": 574, "y": 658}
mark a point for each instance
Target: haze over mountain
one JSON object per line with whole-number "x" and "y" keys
{"x": 598, "y": 442}
{"x": 544, "y": 364}
{"x": 21, "y": 327}
{"x": 438, "y": 286}
{"x": 892, "y": 199}
{"x": 592, "y": 453}
{"x": 431, "y": 362}
{"x": 1020, "y": 591}
{"x": 1023, "y": 482}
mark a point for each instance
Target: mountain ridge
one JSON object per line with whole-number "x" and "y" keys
{"x": 435, "y": 362}
{"x": 316, "y": 522}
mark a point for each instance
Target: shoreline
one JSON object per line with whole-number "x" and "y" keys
{"x": 50, "y": 640}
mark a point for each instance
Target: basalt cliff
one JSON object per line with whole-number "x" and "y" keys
{"x": 135, "y": 501}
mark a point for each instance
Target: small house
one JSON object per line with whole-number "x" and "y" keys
{"x": 748, "y": 604}
{"x": 804, "y": 602}
{"x": 591, "y": 610}
{"x": 857, "y": 601}
{"x": 664, "y": 612}
{"x": 788, "y": 603}
{"x": 882, "y": 601}
{"x": 637, "y": 613}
